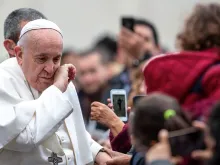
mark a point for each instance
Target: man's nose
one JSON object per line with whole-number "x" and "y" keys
{"x": 50, "y": 67}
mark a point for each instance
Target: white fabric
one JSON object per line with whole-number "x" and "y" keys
{"x": 39, "y": 24}
{"x": 97, "y": 133}
{"x": 28, "y": 127}
{"x": 64, "y": 137}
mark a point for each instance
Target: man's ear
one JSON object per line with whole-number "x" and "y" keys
{"x": 19, "y": 54}
{"x": 9, "y": 46}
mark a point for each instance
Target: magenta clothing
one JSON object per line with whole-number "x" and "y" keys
{"x": 121, "y": 142}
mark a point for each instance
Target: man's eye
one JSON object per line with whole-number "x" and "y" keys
{"x": 56, "y": 60}
{"x": 41, "y": 60}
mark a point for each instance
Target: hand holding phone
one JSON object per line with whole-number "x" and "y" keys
{"x": 119, "y": 101}
{"x": 129, "y": 40}
{"x": 184, "y": 142}
{"x": 128, "y": 22}
{"x": 207, "y": 153}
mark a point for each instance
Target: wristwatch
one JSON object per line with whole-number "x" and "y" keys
{"x": 102, "y": 150}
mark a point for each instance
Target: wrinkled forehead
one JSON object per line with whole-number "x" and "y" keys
{"x": 42, "y": 41}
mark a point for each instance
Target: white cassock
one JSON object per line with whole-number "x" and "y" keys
{"x": 41, "y": 129}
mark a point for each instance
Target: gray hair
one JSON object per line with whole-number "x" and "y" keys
{"x": 12, "y": 24}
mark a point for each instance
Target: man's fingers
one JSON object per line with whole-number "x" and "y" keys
{"x": 198, "y": 154}
{"x": 209, "y": 141}
{"x": 110, "y": 152}
{"x": 93, "y": 108}
{"x": 110, "y": 105}
{"x": 201, "y": 154}
{"x": 203, "y": 127}
{"x": 200, "y": 125}
{"x": 124, "y": 42}
{"x": 93, "y": 111}
{"x": 71, "y": 75}
{"x": 109, "y": 100}
{"x": 70, "y": 66}
{"x": 115, "y": 161}
{"x": 176, "y": 160}
{"x": 120, "y": 160}
{"x": 114, "y": 154}
{"x": 96, "y": 104}
{"x": 92, "y": 117}
{"x": 163, "y": 136}
{"x": 126, "y": 32}
{"x": 71, "y": 71}
{"x": 129, "y": 109}
{"x": 111, "y": 162}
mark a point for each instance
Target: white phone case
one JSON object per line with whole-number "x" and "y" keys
{"x": 120, "y": 93}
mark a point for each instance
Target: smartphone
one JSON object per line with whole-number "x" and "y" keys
{"x": 183, "y": 142}
{"x": 119, "y": 101}
{"x": 136, "y": 99}
{"x": 128, "y": 22}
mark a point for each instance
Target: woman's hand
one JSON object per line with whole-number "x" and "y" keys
{"x": 106, "y": 116}
{"x": 209, "y": 141}
{"x": 103, "y": 114}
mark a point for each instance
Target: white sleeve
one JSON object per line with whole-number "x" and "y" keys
{"x": 94, "y": 146}
{"x": 51, "y": 108}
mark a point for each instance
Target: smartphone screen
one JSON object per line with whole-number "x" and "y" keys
{"x": 183, "y": 142}
{"x": 119, "y": 105}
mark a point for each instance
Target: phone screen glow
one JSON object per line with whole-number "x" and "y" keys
{"x": 119, "y": 105}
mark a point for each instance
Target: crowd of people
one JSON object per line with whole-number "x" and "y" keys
{"x": 56, "y": 107}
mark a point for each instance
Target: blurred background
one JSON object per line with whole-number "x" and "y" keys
{"x": 82, "y": 21}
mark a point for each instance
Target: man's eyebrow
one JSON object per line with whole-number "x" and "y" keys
{"x": 40, "y": 55}
{"x": 45, "y": 55}
{"x": 58, "y": 55}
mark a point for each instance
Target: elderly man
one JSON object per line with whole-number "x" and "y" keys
{"x": 40, "y": 116}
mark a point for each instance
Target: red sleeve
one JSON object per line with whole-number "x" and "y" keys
{"x": 200, "y": 109}
{"x": 121, "y": 142}
{"x": 210, "y": 92}
{"x": 211, "y": 83}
